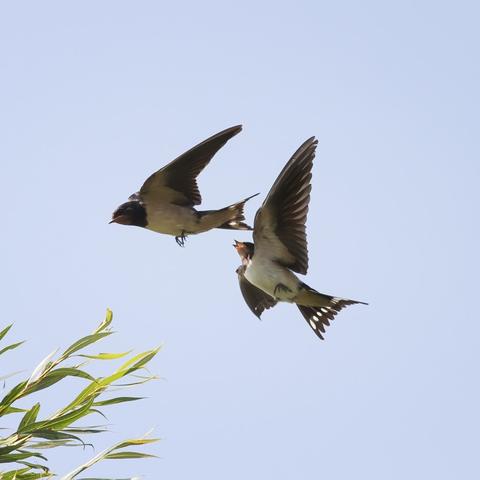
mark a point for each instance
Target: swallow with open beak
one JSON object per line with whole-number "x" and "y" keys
{"x": 280, "y": 248}
{"x": 165, "y": 203}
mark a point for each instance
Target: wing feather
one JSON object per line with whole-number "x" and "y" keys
{"x": 279, "y": 230}
{"x": 177, "y": 182}
{"x": 256, "y": 299}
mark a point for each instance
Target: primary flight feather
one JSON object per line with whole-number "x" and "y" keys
{"x": 166, "y": 201}
{"x": 280, "y": 248}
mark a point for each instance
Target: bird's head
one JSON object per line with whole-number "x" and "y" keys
{"x": 130, "y": 213}
{"x": 244, "y": 249}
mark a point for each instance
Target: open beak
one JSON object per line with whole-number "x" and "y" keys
{"x": 236, "y": 244}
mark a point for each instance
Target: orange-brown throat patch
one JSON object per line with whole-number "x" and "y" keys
{"x": 243, "y": 250}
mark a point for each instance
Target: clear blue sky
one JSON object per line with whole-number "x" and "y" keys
{"x": 98, "y": 95}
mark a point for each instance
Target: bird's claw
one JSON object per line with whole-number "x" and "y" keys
{"x": 180, "y": 239}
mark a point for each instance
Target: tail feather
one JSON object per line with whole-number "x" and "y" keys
{"x": 235, "y": 216}
{"x": 321, "y": 309}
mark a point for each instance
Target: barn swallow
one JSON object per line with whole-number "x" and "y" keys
{"x": 165, "y": 202}
{"x": 280, "y": 248}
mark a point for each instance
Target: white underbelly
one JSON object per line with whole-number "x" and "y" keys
{"x": 172, "y": 220}
{"x": 267, "y": 276}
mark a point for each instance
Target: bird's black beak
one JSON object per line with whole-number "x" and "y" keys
{"x": 235, "y": 244}
{"x": 122, "y": 219}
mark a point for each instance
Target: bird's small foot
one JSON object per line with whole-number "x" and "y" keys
{"x": 280, "y": 287}
{"x": 180, "y": 239}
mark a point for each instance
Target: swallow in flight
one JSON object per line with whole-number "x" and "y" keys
{"x": 166, "y": 201}
{"x": 280, "y": 248}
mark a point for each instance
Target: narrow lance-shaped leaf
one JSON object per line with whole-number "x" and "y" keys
{"x": 59, "y": 430}
{"x": 29, "y": 417}
{"x": 112, "y": 401}
{"x": 10, "y": 410}
{"x": 58, "y": 374}
{"x": 136, "y": 441}
{"x": 106, "y": 356}
{"x": 11, "y": 396}
{"x": 125, "y": 455}
{"x": 106, "y": 323}
{"x": 139, "y": 360}
{"x": 40, "y": 368}
{"x": 5, "y": 330}
{"x": 11, "y": 347}
{"x": 84, "y": 342}
{"x": 104, "y": 454}
{"x": 62, "y": 421}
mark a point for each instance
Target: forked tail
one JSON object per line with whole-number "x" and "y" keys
{"x": 230, "y": 218}
{"x": 319, "y": 309}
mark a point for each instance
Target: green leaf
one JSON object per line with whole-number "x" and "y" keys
{"x": 125, "y": 455}
{"x": 5, "y": 330}
{"x": 10, "y": 410}
{"x": 86, "y": 430}
{"x": 58, "y": 430}
{"x": 61, "y": 421}
{"x": 90, "y": 391}
{"x": 136, "y": 441}
{"x": 11, "y": 396}
{"x": 13, "y": 457}
{"x": 10, "y": 347}
{"x": 138, "y": 360}
{"x": 58, "y": 374}
{"x": 41, "y": 368}
{"x": 46, "y": 473}
{"x": 84, "y": 342}
{"x": 55, "y": 437}
{"x": 112, "y": 401}
{"x": 106, "y": 323}
{"x": 29, "y": 417}
{"x": 106, "y": 356}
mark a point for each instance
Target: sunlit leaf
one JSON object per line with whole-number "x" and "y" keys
{"x": 58, "y": 374}
{"x": 29, "y": 417}
{"x": 106, "y": 323}
{"x": 13, "y": 457}
{"x": 115, "y": 400}
{"x": 84, "y": 342}
{"x": 106, "y": 356}
{"x": 5, "y": 330}
{"x": 138, "y": 360}
{"x": 10, "y": 410}
{"x": 21, "y": 447}
{"x": 12, "y": 395}
{"x": 137, "y": 441}
{"x": 10, "y": 347}
{"x": 40, "y": 368}
{"x": 125, "y": 455}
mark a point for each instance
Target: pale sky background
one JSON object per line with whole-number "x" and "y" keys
{"x": 98, "y": 95}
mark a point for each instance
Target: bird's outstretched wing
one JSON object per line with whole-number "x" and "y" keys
{"x": 177, "y": 182}
{"x": 256, "y": 299}
{"x": 279, "y": 230}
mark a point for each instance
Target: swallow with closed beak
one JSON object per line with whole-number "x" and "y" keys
{"x": 166, "y": 201}
{"x": 280, "y": 248}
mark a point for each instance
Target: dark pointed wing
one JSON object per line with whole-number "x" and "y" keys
{"x": 256, "y": 299}
{"x": 279, "y": 230}
{"x": 176, "y": 182}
